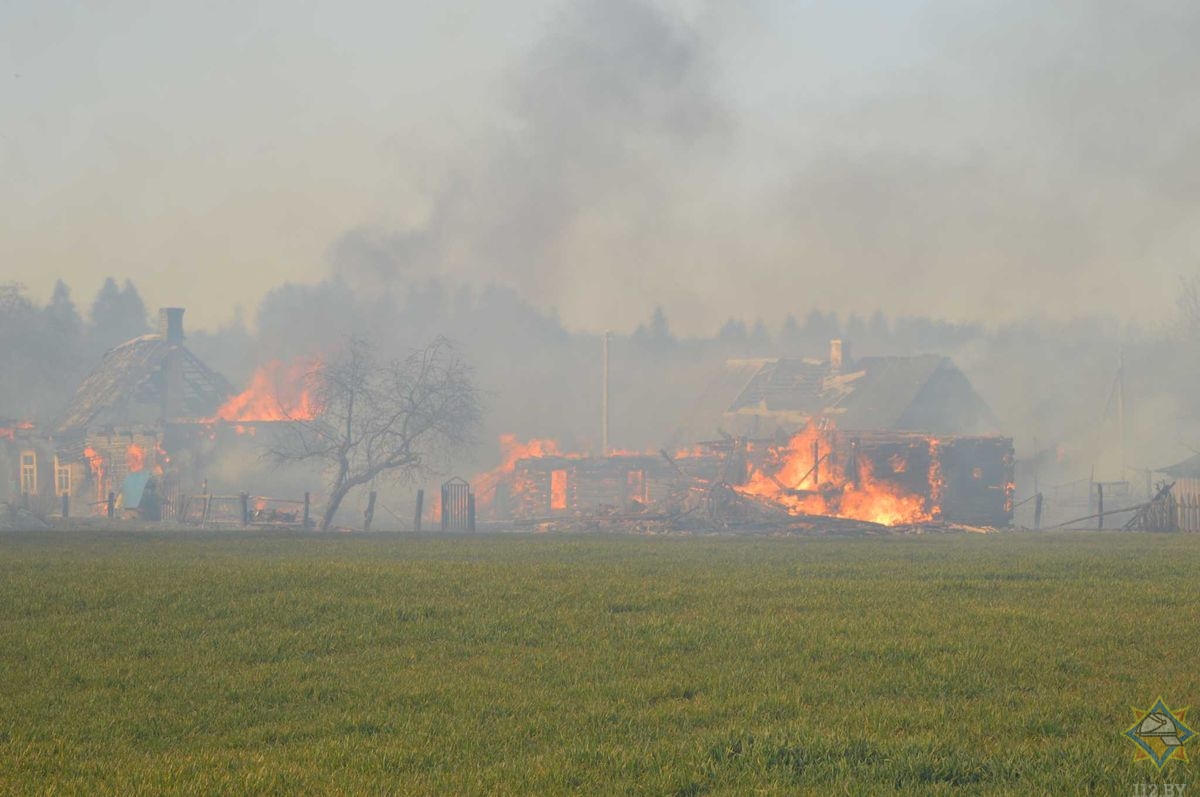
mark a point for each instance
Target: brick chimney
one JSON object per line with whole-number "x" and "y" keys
{"x": 170, "y": 324}
{"x": 835, "y": 355}
{"x": 170, "y": 329}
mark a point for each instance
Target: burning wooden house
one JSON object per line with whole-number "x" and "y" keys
{"x": 134, "y": 408}
{"x": 891, "y": 478}
{"x": 887, "y": 478}
{"x": 150, "y": 421}
{"x": 887, "y": 440}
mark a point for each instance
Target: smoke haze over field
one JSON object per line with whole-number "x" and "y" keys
{"x": 1007, "y": 184}
{"x": 979, "y": 161}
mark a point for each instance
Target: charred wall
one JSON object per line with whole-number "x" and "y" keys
{"x": 977, "y": 476}
{"x": 550, "y": 486}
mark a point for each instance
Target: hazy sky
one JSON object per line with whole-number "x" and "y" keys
{"x": 958, "y": 158}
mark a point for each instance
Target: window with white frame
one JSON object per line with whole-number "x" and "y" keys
{"x": 29, "y": 472}
{"x": 62, "y": 478}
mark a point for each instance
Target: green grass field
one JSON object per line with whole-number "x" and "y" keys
{"x": 137, "y": 663}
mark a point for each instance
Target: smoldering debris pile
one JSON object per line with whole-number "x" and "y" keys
{"x": 719, "y": 509}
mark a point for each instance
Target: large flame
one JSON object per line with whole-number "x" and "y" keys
{"x": 278, "y": 391}
{"x": 805, "y": 479}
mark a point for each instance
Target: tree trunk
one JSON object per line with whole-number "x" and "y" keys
{"x": 331, "y": 508}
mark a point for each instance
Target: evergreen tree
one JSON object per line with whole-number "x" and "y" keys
{"x": 760, "y": 339}
{"x": 856, "y": 328}
{"x": 655, "y": 334}
{"x": 789, "y": 336}
{"x": 820, "y": 328}
{"x": 880, "y": 330}
{"x": 117, "y": 315}
{"x": 62, "y": 315}
{"x": 733, "y": 331}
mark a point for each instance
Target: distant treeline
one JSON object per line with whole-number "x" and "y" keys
{"x": 1049, "y": 381}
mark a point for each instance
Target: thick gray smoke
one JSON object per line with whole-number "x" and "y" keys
{"x": 613, "y": 114}
{"x": 1002, "y": 160}
{"x": 1006, "y": 162}
{"x": 1039, "y": 160}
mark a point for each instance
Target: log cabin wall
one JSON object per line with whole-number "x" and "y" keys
{"x": 553, "y": 486}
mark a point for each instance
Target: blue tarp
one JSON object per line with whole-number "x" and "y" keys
{"x": 133, "y": 488}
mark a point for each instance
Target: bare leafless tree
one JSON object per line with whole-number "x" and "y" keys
{"x": 398, "y": 420}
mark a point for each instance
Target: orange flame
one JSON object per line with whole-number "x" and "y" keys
{"x": 278, "y": 391}
{"x": 95, "y": 462}
{"x": 937, "y": 485}
{"x": 806, "y": 480}
{"x": 135, "y": 458}
{"x": 558, "y": 489}
{"x": 511, "y": 451}
{"x": 10, "y": 432}
{"x": 162, "y": 459}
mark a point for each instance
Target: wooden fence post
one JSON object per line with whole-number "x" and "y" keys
{"x": 1100, "y": 501}
{"x": 307, "y": 504}
{"x": 420, "y": 510}
{"x": 112, "y": 505}
{"x": 1037, "y": 512}
{"x": 245, "y": 501}
{"x": 471, "y": 512}
{"x": 66, "y": 505}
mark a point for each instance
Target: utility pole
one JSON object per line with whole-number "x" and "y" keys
{"x": 1121, "y": 410}
{"x": 604, "y": 401}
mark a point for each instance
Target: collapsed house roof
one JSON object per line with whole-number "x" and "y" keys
{"x": 925, "y": 393}
{"x": 154, "y": 378}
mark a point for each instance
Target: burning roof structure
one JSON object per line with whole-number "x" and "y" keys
{"x": 925, "y": 393}
{"x": 151, "y": 379}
